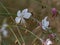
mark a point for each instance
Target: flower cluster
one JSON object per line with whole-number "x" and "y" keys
{"x": 44, "y": 23}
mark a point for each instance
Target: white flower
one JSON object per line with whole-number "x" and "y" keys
{"x": 21, "y": 15}
{"x": 48, "y": 42}
{"x": 45, "y": 23}
{"x": 3, "y": 29}
{"x": 5, "y": 33}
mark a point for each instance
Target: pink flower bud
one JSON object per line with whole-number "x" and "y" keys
{"x": 52, "y": 36}
{"x": 54, "y": 12}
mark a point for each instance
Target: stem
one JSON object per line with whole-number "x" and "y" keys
{"x": 18, "y": 31}
{"x": 9, "y": 27}
{"x": 35, "y": 20}
{"x": 4, "y": 8}
{"x": 30, "y": 31}
{"x": 20, "y": 34}
{"x": 14, "y": 35}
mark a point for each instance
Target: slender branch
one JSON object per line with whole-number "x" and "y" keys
{"x": 20, "y": 34}
{"x": 9, "y": 27}
{"x": 4, "y": 8}
{"x": 14, "y": 35}
{"x": 30, "y": 32}
{"x": 35, "y": 19}
{"x": 18, "y": 31}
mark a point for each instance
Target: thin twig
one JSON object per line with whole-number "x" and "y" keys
{"x": 20, "y": 35}
{"x": 14, "y": 35}
{"x": 9, "y": 27}
{"x": 35, "y": 19}
{"x": 31, "y": 32}
{"x": 4, "y": 8}
{"x": 18, "y": 31}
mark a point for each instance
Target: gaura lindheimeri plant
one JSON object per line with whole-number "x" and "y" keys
{"x": 3, "y": 30}
{"x": 21, "y": 15}
{"x": 45, "y": 23}
{"x": 47, "y": 42}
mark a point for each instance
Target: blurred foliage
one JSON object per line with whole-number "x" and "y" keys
{"x": 39, "y": 9}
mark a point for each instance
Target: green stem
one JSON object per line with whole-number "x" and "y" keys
{"x": 9, "y": 27}
{"x": 4, "y": 8}
{"x": 14, "y": 35}
{"x": 31, "y": 33}
{"x": 18, "y": 31}
{"x": 20, "y": 34}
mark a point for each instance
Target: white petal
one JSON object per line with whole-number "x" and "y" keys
{"x": 48, "y": 41}
{"x": 3, "y": 28}
{"x": 27, "y": 15}
{"x": 23, "y": 21}
{"x": 45, "y": 23}
{"x": 19, "y": 13}
{"x": 46, "y": 18}
{"x": 5, "y": 25}
{"x": 25, "y": 10}
{"x": 17, "y": 19}
{"x": 5, "y": 33}
{"x": 44, "y": 28}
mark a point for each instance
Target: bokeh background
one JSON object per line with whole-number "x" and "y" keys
{"x": 39, "y": 9}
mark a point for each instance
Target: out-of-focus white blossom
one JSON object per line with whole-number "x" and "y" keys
{"x": 3, "y": 30}
{"x": 45, "y": 23}
{"x": 4, "y": 27}
{"x": 21, "y": 15}
{"x": 47, "y": 42}
{"x": 5, "y": 33}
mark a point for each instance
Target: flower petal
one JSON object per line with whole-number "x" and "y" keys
{"x": 27, "y": 15}
{"x": 3, "y": 28}
{"x": 19, "y": 13}
{"x": 5, "y": 25}
{"x": 25, "y": 11}
{"x": 45, "y": 23}
{"x": 48, "y": 42}
{"x": 17, "y": 19}
{"x": 5, "y": 33}
{"x": 23, "y": 21}
{"x": 46, "y": 18}
{"x": 43, "y": 28}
